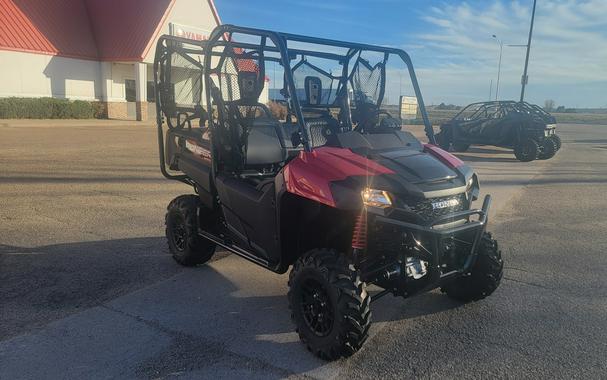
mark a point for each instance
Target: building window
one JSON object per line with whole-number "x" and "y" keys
{"x": 151, "y": 93}
{"x": 129, "y": 90}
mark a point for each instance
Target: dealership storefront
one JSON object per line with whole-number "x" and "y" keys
{"x": 97, "y": 50}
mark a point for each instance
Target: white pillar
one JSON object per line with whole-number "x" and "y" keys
{"x": 111, "y": 110}
{"x": 141, "y": 82}
{"x": 106, "y": 81}
{"x": 141, "y": 86}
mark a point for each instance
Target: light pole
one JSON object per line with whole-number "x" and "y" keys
{"x": 499, "y": 66}
{"x": 525, "y": 79}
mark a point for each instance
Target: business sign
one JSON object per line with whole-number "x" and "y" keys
{"x": 408, "y": 107}
{"x": 189, "y": 32}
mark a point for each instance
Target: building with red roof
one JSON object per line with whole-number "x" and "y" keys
{"x": 93, "y": 49}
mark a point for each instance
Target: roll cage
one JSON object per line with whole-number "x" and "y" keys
{"x": 229, "y": 42}
{"x": 171, "y": 105}
{"x": 498, "y": 109}
{"x": 192, "y": 80}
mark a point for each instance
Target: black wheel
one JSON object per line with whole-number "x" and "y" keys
{"x": 460, "y": 147}
{"x": 329, "y": 304}
{"x": 182, "y": 223}
{"x": 557, "y": 141}
{"x": 548, "y": 149}
{"x": 485, "y": 275}
{"x": 527, "y": 150}
{"x": 443, "y": 139}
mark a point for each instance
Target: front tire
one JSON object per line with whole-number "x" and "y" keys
{"x": 549, "y": 149}
{"x": 182, "y": 222}
{"x": 527, "y": 150}
{"x": 329, "y": 304}
{"x": 485, "y": 275}
{"x": 557, "y": 141}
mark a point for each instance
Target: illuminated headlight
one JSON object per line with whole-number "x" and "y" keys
{"x": 376, "y": 198}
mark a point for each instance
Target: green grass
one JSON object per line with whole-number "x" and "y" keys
{"x": 581, "y": 118}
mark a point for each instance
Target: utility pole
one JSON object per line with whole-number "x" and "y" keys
{"x": 525, "y": 78}
{"x": 499, "y": 67}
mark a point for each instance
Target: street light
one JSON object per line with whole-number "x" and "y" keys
{"x": 499, "y": 66}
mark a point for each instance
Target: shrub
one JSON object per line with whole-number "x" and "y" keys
{"x": 82, "y": 110}
{"x": 99, "y": 110}
{"x": 60, "y": 109}
{"x": 448, "y": 107}
{"x": 278, "y": 110}
{"x": 46, "y": 108}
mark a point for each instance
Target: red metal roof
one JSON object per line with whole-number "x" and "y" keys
{"x": 48, "y": 26}
{"x": 124, "y": 28}
{"x": 108, "y": 30}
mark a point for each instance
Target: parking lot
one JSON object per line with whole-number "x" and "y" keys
{"x": 88, "y": 289}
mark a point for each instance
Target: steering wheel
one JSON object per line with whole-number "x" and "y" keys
{"x": 371, "y": 122}
{"x": 389, "y": 122}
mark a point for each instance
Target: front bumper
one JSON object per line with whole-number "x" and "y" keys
{"x": 430, "y": 241}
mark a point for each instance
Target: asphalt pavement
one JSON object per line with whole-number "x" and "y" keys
{"x": 88, "y": 290}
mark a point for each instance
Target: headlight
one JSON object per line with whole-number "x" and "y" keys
{"x": 376, "y": 198}
{"x": 470, "y": 183}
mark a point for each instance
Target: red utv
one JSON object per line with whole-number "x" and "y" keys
{"x": 326, "y": 182}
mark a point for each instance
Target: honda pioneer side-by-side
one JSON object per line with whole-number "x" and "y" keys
{"x": 296, "y": 161}
{"x": 526, "y": 128}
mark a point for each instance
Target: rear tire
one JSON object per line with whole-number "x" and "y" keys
{"x": 485, "y": 275}
{"x": 460, "y": 147}
{"x": 182, "y": 223}
{"x": 549, "y": 149}
{"x": 329, "y": 304}
{"x": 527, "y": 150}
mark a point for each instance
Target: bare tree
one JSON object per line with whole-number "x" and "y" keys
{"x": 549, "y": 104}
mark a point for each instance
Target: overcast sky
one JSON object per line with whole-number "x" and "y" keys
{"x": 451, "y": 45}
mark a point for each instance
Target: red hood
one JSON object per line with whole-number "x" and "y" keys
{"x": 310, "y": 174}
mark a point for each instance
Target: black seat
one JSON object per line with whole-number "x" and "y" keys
{"x": 260, "y": 138}
{"x": 264, "y": 143}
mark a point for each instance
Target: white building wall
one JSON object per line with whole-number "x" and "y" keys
{"x": 25, "y": 74}
{"x": 193, "y": 13}
{"x": 38, "y": 75}
{"x": 195, "y": 16}
{"x": 264, "y": 97}
{"x": 119, "y": 73}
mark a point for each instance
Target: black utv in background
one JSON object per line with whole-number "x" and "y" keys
{"x": 524, "y": 127}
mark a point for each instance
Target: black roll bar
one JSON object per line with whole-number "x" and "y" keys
{"x": 281, "y": 40}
